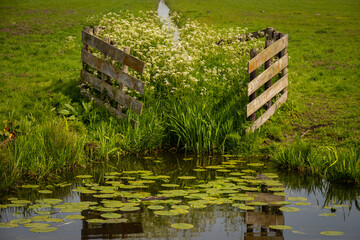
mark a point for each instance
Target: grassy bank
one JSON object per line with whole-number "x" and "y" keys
{"x": 49, "y": 124}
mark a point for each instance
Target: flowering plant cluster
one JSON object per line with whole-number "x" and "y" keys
{"x": 193, "y": 64}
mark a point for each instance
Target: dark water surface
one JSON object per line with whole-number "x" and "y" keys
{"x": 220, "y": 189}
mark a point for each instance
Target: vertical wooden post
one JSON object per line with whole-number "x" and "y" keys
{"x": 253, "y": 54}
{"x": 85, "y": 46}
{"x": 268, "y": 42}
{"x": 125, "y": 70}
{"x": 284, "y": 71}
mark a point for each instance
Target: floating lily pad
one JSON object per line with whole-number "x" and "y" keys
{"x": 75, "y": 216}
{"x": 30, "y": 186}
{"x": 180, "y": 207}
{"x": 238, "y": 205}
{"x": 289, "y": 209}
{"x": 167, "y": 213}
{"x": 54, "y": 220}
{"x": 302, "y": 199}
{"x": 246, "y": 207}
{"x": 199, "y": 170}
{"x": 43, "y": 212}
{"x": 84, "y": 176}
{"x": 277, "y": 189}
{"x": 43, "y": 229}
{"x": 255, "y": 164}
{"x": 20, "y": 202}
{"x": 332, "y": 233}
{"x": 40, "y": 218}
{"x": 198, "y": 206}
{"x": 155, "y": 207}
{"x": 236, "y": 174}
{"x": 52, "y": 201}
{"x": 111, "y": 215}
{"x": 280, "y": 227}
{"x": 118, "y": 220}
{"x": 8, "y": 225}
{"x": 20, "y": 221}
{"x": 112, "y": 195}
{"x": 182, "y": 225}
{"x": 107, "y": 209}
{"x": 223, "y": 170}
{"x": 129, "y": 209}
{"x": 45, "y": 191}
{"x": 214, "y": 167}
{"x": 282, "y": 194}
{"x": 186, "y": 177}
{"x": 257, "y": 203}
{"x": 71, "y": 210}
{"x": 36, "y": 225}
{"x": 170, "y": 185}
{"x": 281, "y": 203}
{"x": 298, "y": 232}
{"x": 95, "y": 220}
{"x": 327, "y": 214}
{"x": 3, "y": 206}
{"x": 303, "y": 203}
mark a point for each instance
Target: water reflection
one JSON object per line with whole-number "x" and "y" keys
{"x": 221, "y": 182}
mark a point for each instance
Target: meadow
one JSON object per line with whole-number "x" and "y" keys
{"x": 49, "y": 128}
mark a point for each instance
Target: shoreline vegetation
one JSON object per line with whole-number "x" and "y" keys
{"x": 195, "y": 89}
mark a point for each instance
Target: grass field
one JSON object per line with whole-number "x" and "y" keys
{"x": 40, "y": 64}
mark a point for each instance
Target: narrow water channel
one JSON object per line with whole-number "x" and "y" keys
{"x": 164, "y": 15}
{"x": 220, "y": 197}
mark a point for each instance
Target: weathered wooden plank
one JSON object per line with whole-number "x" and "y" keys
{"x": 263, "y": 219}
{"x": 267, "y": 74}
{"x": 112, "y": 110}
{"x": 114, "y": 93}
{"x": 113, "y": 52}
{"x": 253, "y": 53}
{"x": 267, "y": 95}
{"x": 112, "y": 71}
{"x": 261, "y": 120}
{"x": 267, "y": 53}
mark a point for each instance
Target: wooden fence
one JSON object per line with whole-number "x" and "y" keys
{"x": 275, "y": 60}
{"x": 108, "y": 72}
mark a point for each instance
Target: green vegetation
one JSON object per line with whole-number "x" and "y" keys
{"x": 195, "y": 96}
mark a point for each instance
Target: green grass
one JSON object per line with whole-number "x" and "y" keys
{"x": 40, "y": 63}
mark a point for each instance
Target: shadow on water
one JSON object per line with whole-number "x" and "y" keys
{"x": 223, "y": 197}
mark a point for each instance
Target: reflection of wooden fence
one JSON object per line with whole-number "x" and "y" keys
{"x": 108, "y": 72}
{"x": 275, "y": 49}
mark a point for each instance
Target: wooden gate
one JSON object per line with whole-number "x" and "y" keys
{"x": 275, "y": 60}
{"x": 108, "y": 72}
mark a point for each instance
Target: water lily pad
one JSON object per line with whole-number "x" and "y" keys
{"x": 303, "y": 203}
{"x": 106, "y": 195}
{"x": 223, "y": 170}
{"x": 280, "y": 203}
{"x": 43, "y": 229}
{"x": 327, "y": 214}
{"x": 246, "y": 207}
{"x": 43, "y": 212}
{"x": 118, "y": 220}
{"x": 95, "y": 220}
{"x": 129, "y": 209}
{"x": 107, "y": 209}
{"x": 40, "y": 218}
{"x": 20, "y": 202}
{"x": 182, "y": 225}
{"x": 214, "y": 167}
{"x": 180, "y": 207}
{"x": 255, "y": 164}
{"x": 111, "y": 215}
{"x": 155, "y": 207}
{"x": 16, "y": 205}
{"x": 302, "y": 199}
{"x": 282, "y": 194}
{"x": 298, "y": 232}
{"x": 332, "y": 233}
{"x": 257, "y": 203}
{"x": 75, "y": 216}
{"x": 3, "y": 206}
{"x": 280, "y": 227}
{"x": 238, "y": 205}
{"x": 186, "y": 177}
{"x": 276, "y": 189}
{"x": 52, "y": 201}
{"x": 236, "y": 174}
{"x": 198, "y": 206}
{"x": 271, "y": 175}
{"x": 71, "y": 210}
{"x": 84, "y": 176}
{"x": 20, "y": 221}
{"x": 30, "y": 186}
{"x": 54, "y": 220}
{"x": 170, "y": 185}
{"x": 8, "y": 225}
{"x": 36, "y": 225}
{"x": 199, "y": 170}
{"x": 167, "y": 213}
{"x": 88, "y": 191}
{"x": 45, "y": 191}
{"x": 289, "y": 209}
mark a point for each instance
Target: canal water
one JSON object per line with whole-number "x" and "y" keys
{"x": 220, "y": 197}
